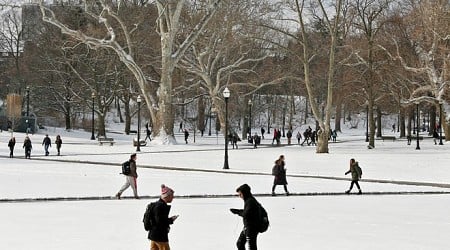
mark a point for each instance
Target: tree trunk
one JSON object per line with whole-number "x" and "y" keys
{"x": 379, "y": 128}
{"x": 402, "y": 123}
{"x": 337, "y": 119}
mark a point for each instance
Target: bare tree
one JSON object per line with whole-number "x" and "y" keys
{"x": 424, "y": 26}
{"x": 114, "y": 27}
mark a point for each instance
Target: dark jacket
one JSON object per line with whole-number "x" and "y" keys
{"x": 11, "y": 143}
{"x": 280, "y": 173}
{"x": 27, "y": 144}
{"x": 355, "y": 176}
{"x": 58, "y": 142}
{"x": 47, "y": 141}
{"x": 250, "y": 213}
{"x": 133, "y": 171}
{"x": 160, "y": 222}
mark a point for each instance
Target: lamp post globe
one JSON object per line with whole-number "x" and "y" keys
{"x": 226, "y": 95}
{"x": 93, "y": 110}
{"x": 138, "y": 147}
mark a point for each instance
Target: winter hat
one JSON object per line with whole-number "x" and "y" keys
{"x": 244, "y": 189}
{"x": 166, "y": 191}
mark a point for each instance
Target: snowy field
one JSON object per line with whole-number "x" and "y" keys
{"x": 388, "y": 216}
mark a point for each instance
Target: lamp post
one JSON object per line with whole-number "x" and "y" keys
{"x": 138, "y": 147}
{"x": 250, "y": 117}
{"x": 93, "y": 122}
{"x": 367, "y": 123}
{"x": 226, "y": 95}
{"x": 417, "y": 125}
{"x": 28, "y": 101}
{"x": 209, "y": 129}
{"x": 440, "y": 123}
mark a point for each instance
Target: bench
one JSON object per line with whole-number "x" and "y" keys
{"x": 143, "y": 142}
{"x": 388, "y": 137}
{"x": 102, "y": 140}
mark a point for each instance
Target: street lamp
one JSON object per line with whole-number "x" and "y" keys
{"x": 93, "y": 123}
{"x": 250, "y": 117}
{"x": 139, "y": 100}
{"x": 226, "y": 95}
{"x": 417, "y": 125}
{"x": 367, "y": 123}
{"x": 28, "y": 101}
{"x": 440, "y": 123}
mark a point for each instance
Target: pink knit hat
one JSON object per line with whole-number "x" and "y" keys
{"x": 166, "y": 191}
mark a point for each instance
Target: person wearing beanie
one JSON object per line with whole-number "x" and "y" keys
{"x": 159, "y": 232}
{"x": 131, "y": 178}
{"x": 249, "y": 215}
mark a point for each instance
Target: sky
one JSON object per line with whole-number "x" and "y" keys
{"x": 318, "y": 215}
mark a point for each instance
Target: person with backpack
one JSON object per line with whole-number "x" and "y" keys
{"x": 251, "y": 217}
{"x": 356, "y": 172}
{"x": 129, "y": 170}
{"x": 157, "y": 221}
{"x": 279, "y": 173}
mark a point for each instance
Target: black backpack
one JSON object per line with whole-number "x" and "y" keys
{"x": 263, "y": 224}
{"x": 126, "y": 170}
{"x": 148, "y": 216}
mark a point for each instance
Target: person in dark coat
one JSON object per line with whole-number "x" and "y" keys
{"x": 250, "y": 215}
{"x": 435, "y": 136}
{"x": 279, "y": 173}
{"x": 58, "y": 143}
{"x": 355, "y": 176}
{"x": 46, "y": 143}
{"x": 186, "y": 135}
{"x": 11, "y": 144}
{"x": 263, "y": 131}
{"x": 289, "y": 136}
{"x": 27, "y": 146}
{"x": 159, "y": 232}
{"x": 131, "y": 179}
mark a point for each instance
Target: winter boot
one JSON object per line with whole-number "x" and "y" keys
{"x": 360, "y": 192}
{"x": 118, "y": 195}
{"x": 347, "y": 192}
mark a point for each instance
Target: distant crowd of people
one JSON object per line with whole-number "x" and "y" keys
{"x": 28, "y": 146}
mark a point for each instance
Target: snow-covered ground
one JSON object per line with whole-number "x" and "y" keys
{"x": 301, "y": 221}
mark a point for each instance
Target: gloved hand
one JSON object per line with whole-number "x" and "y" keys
{"x": 234, "y": 210}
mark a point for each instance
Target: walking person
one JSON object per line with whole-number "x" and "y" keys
{"x": 46, "y": 143}
{"x": 11, "y": 144}
{"x": 289, "y": 136}
{"x": 435, "y": 136}
{"x": 356, "y": 172}
{"x": 148, "y": 132}
{"x": 250, "y": 216}
{"x": 262, "y": 132}
{"x": 58, "y": 143}
{"x": 131, "y": 178}
{"x": 334, "y": 135}
{"x": 186, "y": 135}
{"x": 299, "y": 137}
{"x": 256, "y": 140}
{"x": 159, "y": 231}
{"x": 27, "y": 146}
{"x": 279, "y": 173}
